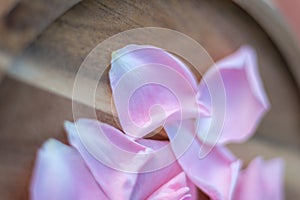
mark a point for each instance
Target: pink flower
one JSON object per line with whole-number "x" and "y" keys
{"x": 151, "y": 89}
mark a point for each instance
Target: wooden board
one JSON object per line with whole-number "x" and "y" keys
{"x": 21, "y": 21}
{"x": 276, "y": 25}
{"x": 220, "y": 26}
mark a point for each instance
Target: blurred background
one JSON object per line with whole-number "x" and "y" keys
{"x": 43, "y": 43}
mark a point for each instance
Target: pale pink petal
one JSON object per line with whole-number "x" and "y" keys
{"x": 134, "y": 56}
{"x": 150, "y": 85}
{"x": 193, "y": 191}
{"x": 159, "y": 177}
{"x": 60, "y": 174}
{"x": 176, "y": 188}
{"x": 111, "y": 147}
{"x": 243, "y": 102}
{"x": 261, "y": 180}
{"x": 85, "y": 135}
{"x": 215, "y": 174}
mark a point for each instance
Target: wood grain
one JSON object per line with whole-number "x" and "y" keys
{"x": 220, "y": 26}
{"x": 23, "y": 20}
{"x": 6, "y": 6}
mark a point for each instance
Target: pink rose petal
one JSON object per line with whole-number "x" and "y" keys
{"x": 116, "y": 184}
{"x": 246, "y": 101}
{"x": 133, "y": 56}
{"x": 176, "y": 188}
{"x": 150, "y": 85}
{"x": 159, "y": 177}
{"x": 216, "y": 174}
{"x": 60, "y": 174}
{"x": 261, "y": 180}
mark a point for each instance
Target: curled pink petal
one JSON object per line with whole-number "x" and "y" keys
{"x": 149, "y": 86}
{"x": 193, "y": 191}
{"x": 244, "y": 101}
{"x": 60, "y": 174}
{"x": 101, "y": 148}
{"x": 123, "y": 183}
{"x": 162, "y": 177}
{"x": 216, "y": 174}
{"x": 261, "y": 180}
{"x": 134, "y": 56}
{"x": 176, "y": 188}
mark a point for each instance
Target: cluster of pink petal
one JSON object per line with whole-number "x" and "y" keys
{"x": 72, "y": 172}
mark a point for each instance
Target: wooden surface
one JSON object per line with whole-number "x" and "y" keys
{"x": 30, "y": 115}
{"x": 290, "y": 10}
{"x": 21, "y": 21}
{"x": 269, "y": 17}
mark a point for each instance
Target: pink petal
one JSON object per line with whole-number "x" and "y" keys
{"x": 100, "y": 155}
{"x": 108, "y": 151}
{"x": 261, "y": 180}
{"x": 243, "y": 102}
{"x": 160, "y": 177}
{"x": 150, "y": 85}
{"x": 60, "y": 174}
{"x": 175, "y": 188}
{"x": 215, "y": 174}
{"x": 193, "y": 190}
{"x": 133, "y": 56}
